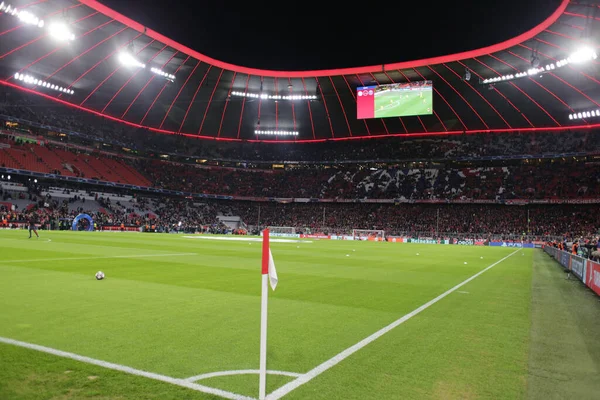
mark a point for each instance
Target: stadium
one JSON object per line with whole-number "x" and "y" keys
{"x": 177, "y": 226}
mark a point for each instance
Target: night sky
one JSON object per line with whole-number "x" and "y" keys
{"x": 303, "y": 35}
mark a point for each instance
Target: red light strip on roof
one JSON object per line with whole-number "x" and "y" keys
{"x": 193, "y": 98}
{"x": 131, "y": 77}
{"x": 225, "y": 106}
{"x": 312, "y": 125}
{"x": 276, "y": 107}
{"x": 320, "y": 90}
{"x": 480, "y": 95}
{"x": 210, "y": 101}
{"x": 111, "y": 74}
{"x": 445, "y": 101}
{"x": 497, "y": 90}
{"x": 243, "y": 104}
{"x": 161, "y": 90}
{"x": 519, "y": 89}
{"x": 461, "y": 96}
{"x": 341, "y": 105}
{"x": 148, "y": 83}
{"x": 178, "y": 93}
{"x": 331, "y": 72}
{"x": 354, "y": 97}
{"x": 293, "y": 109}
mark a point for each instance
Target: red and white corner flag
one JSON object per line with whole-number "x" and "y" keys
{"x": 269, "y": 276}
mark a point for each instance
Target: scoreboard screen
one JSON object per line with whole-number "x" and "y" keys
{"x": 394, "y": 100}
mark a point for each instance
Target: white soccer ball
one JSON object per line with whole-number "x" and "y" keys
{"x": 99, "y": 275}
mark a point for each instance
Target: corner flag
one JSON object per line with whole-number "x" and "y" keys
{"x": 269, "y": 276}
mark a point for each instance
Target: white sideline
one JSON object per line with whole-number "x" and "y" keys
{"x": 129, "y": 370}
{"x": 318, "y": 370}
{"x": 91, "y": 257}
{"x": 239, "y": 372}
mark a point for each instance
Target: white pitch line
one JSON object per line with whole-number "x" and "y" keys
{"x": 91, "y": 257}
{"x": 239, "y": 372}
{"x": 118, "y": 367}
{"x": 318, "y": 370}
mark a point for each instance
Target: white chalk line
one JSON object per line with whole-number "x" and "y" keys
{"x": 118, "y": 367}
{"x": 247, "y": 239}
{"x": 239, "y": 372}
{"x": 92, "y": 257}
{"x": 318, "y": 370}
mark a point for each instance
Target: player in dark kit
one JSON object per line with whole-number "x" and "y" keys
{"x": 32, "y": 227}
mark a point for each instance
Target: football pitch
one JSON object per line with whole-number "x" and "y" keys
{"x": 399, "y": 104}
{"x": 178, "y": 317}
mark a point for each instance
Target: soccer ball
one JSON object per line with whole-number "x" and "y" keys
{"x": 99, "y": 275}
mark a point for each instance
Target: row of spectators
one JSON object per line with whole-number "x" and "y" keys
{"x": 547, "y": 180}
{"x": 92, "y": 129}
{"x": 333, "y": 218}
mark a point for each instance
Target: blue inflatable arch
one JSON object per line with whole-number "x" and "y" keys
{"x": 83, "y": 216}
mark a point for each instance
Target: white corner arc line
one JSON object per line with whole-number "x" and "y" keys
{"x": 117, "y": 367}
{"x": 239, "y": 372}
{"x": 91, "y": 257}
{"x": 318, "y": 370}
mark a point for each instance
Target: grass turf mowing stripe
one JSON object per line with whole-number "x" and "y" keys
{"x": 96, "y": 257}
{"x": 118, "y": 367}
{"x": 307, "y": 377}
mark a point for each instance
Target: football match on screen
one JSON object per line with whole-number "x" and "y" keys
{"x": 213, "y": 200}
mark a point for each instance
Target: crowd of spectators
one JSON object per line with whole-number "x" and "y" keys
{"x": 94, "y": 129}
{"x": 544, "y": 180}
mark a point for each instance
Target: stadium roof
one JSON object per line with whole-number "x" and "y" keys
{"x": 202, "y": 101}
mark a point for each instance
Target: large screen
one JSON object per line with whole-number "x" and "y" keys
{"x": 394, "y": 100}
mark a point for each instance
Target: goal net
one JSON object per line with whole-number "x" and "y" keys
{"x": 376, "y": 235}
{"x": 282, "y": 230}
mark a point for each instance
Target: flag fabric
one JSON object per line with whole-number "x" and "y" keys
{"x": 272, "y": 272}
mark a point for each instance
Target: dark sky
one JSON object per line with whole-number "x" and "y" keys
{"x": 313, "y": 35}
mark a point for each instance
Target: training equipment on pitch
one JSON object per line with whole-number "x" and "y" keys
{"x": 99, "y": 275}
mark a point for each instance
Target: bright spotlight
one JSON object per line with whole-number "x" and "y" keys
{"x": 128, "y": 60}
{"x": 583, "y": 54}
{"x": 60, "y": 31}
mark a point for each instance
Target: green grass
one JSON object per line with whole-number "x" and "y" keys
{"x": 188, "y": 314}
{"x": 399, "y": 104}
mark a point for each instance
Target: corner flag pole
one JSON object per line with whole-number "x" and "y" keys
{"x": 264, "y": 296}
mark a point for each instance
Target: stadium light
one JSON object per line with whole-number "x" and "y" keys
{"x": 580, "y": 56}
{"x": 33, "y": 81}
{"x": 129, "y": 60}
{"x": 265, "y": 96}
{"x": 61, "y": 32}
{"x": 24, "y": 16}
{"x": 585, "y": 114}
{"x": 276, "y": 133}
{"x": 160, "y": 72}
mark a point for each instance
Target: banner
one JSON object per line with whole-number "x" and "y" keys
{"x": 578, "y": 267}
{"x": 512, "y": 244}
{"x": 593, "y": 276}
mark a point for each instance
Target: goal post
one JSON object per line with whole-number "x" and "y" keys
{"x": 375, "y": 235}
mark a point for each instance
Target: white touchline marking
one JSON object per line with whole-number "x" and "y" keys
{"x": 462, "y": 291}
{"x": 118, "y": 367}
{"x": 91, "y": 257}
{"x": 318, "y": 370}
{"x": 239, "y": 372}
